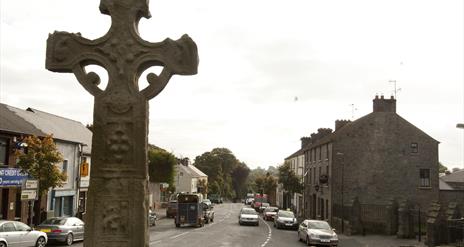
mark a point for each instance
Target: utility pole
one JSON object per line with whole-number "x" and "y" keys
{"x": 395, "y": 90}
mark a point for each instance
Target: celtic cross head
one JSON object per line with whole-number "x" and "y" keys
{"x": 122, "y": 52}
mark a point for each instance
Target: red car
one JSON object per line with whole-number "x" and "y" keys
{"x": 270, "y": 213}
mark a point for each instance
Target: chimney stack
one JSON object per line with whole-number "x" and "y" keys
{"x": 305, "y": 141}
{"x": 384, "y": 105}
{"x": 341, "y": 123}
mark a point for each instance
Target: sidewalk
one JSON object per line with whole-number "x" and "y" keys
{"x": 377, "y": 241}
{"x": 160, "y": 213}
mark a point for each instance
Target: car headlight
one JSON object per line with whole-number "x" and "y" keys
{"x": 334, "y": 237}
{"x": 312, "y": 235}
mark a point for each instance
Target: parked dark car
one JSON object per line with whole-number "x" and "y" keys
{"x": 285, "y": 219}
{"x": 171, "y": 210}
{"x": 215, "y": 198}
{"x": 15, "y": 233}
{"x": 63, "y": 229}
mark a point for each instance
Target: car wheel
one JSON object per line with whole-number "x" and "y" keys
{"x": 2, "y": 244}
{"x": 69, "y": 239}
{"x": 41, "y": 242}
{"x": 307, "y": 241}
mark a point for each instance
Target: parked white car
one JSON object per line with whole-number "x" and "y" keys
{"x": 317, "y": 232}
{"x": 15, "y": 233}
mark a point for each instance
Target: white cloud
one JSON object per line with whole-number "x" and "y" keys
{"x": 255, "y": 58}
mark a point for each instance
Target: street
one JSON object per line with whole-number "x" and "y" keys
{"x": 225, "y": 231}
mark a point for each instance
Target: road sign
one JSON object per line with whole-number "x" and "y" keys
{"x": 31, "y": 184}
{"x": 27, "y": 195}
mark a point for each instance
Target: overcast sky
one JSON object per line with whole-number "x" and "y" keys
{"x": 270, "y": 72}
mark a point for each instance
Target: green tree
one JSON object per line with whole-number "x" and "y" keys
{"x": 161, "y": 166}
{"x": 40, "y": 161}
{"x": 220, "y": 164}
{"x": 442, "y": 168}
{"x": 289, "y": 180}
{"x": 239, "y": 178}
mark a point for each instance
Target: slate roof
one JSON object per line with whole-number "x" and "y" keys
{"x": 192, "y": 171}
{"x": 296, "y": 154}
{"x": 13, "y": 123}
{"x": 35, "y": 122}
{"x": 455, "y": 177}
{"x": 379, "y": 118}
{"x": 443, "y": 185}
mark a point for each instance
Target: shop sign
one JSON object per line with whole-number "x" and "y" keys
{"x": 12, "y": 177}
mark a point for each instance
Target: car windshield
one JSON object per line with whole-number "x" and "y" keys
{"x": 287, "y": 214}
{"x": 248, "y": 211}
{"x": 319, "y": 225}
{"x": 54, "y": 221}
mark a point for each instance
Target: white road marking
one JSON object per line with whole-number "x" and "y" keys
{"x": 178, "y": 235}
{"x": 155, "y": 242}
{"x": 269, "y": 235}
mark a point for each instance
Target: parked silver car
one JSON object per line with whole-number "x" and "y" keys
{"x": 15, "y": 233}
{"x": 317, "y": 232}
{"x": 63, "y": 229}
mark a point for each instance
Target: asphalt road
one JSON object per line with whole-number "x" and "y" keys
{"x": 223, "y": 232}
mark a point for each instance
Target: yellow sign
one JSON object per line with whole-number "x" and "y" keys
{"x": 84, "y": 169}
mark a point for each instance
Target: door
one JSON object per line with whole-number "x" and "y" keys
{"x": 302, "y": 230}
{"x": 10, "y": 234}
{"x": 25, "y": 236}
{"x": 79, "y": 228}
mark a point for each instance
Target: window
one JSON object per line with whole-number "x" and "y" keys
{"x": 310, "y": 174}
{"x": 65, "y": 167}
{"x": 327, "y": 151}
{"x": 3, "y": 152}
{"x": 424, "y": 175}
{"x": 8, "y": 227}
{"x": 414, "y": 147}
{"x": 320, "y": 152}
{"x": 21, "y": 226}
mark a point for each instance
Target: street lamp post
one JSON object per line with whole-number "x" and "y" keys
{"x": 342, "y": 158}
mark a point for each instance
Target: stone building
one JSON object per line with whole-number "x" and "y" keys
{"x": 359, "y": 175}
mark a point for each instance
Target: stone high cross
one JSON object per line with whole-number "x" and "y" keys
{"x": 117, "y": 207}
